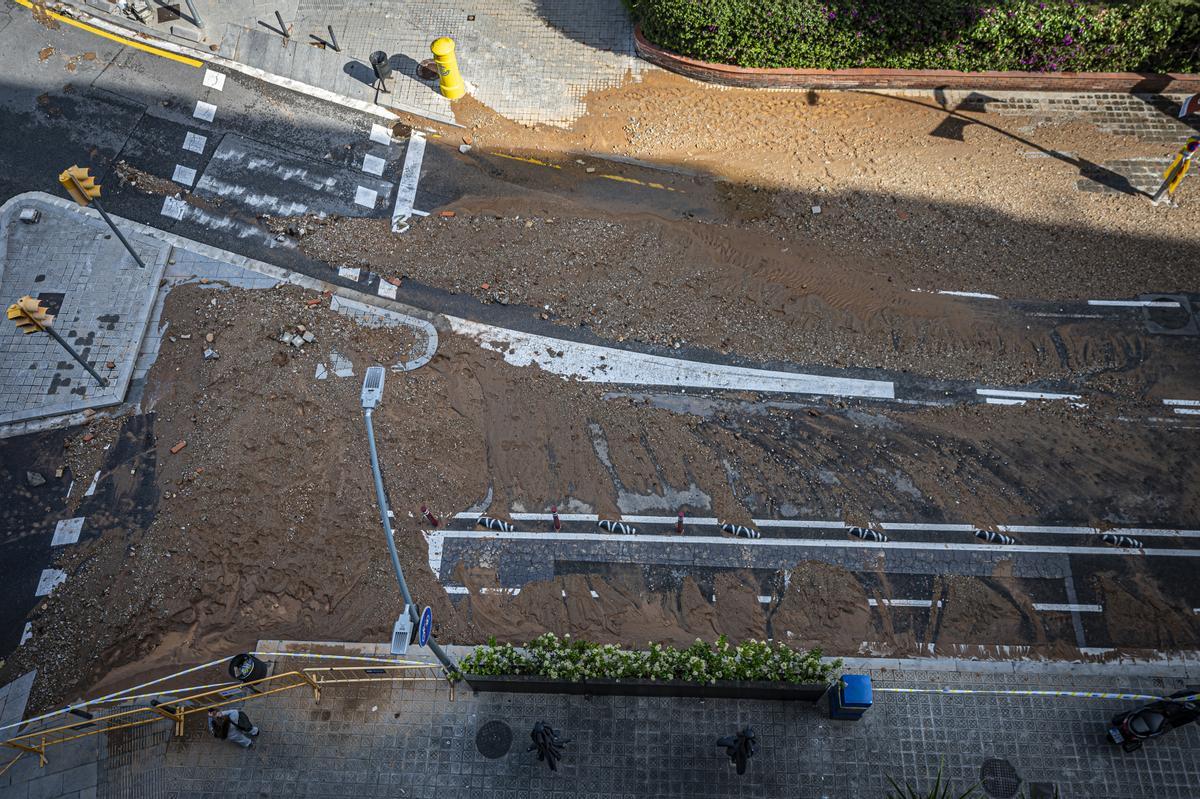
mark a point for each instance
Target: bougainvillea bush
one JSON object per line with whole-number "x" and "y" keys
{"x": 1052, "y": 36}
{"x": 572, "y": 659}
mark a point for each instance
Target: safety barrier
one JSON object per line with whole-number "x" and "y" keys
{"x": 113, "y": 712}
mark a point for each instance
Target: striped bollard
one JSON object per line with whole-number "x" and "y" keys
{"x": 867, "y": 535}
{"x": 740, "y": 531}
{"x": 554, "y": 514}
{"x": 1121, "y": 541}
{"x": 994, "y": 538}
{"x": 679, "y": 524}
{"x": 429, "y": 516}
{"x": 494, "y": 524}
{"x": 616, "y": 527}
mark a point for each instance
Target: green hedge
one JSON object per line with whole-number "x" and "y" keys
{"x": 1051, "y": 36}
{"x": 568, "y": 659}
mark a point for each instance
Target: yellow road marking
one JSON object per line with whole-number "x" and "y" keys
{"x": 191, "y": 62}
{"x": 528, "y": 160}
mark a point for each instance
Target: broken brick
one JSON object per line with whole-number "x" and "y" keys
{"x": 175, "y": 450}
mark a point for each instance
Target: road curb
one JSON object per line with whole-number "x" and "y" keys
{"x": 141, "y": 33}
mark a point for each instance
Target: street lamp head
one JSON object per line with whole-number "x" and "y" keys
{"x": 372, "y": 390}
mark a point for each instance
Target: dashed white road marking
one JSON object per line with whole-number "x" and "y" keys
{"x": 350, "y": 272}
{"x": 1184, "y": 407}
{"x": 764, "y": 599}
{"x": 1135, "y": 303}
{"x": 214, "y": 80}
{"x": 67, "y": 531}
{"x": 796, "y": 543}
{"x": 904, "y": 603}
{"x": 373, "y": 164}
{"x": 594, "y": 594}
{"x": 457, "y": 589}
{"x": 27, "y": 633}
{"x": 1028, "y": 395}
{"x": 366, "y": 197}
{"x": 1190, "y": 402}
{"x": 194, "y": 142}
{"x": 974, "y": 294}
{"x": 174, "y": 208}
{"x": 50, "y": 579}
{"x": 1067, "y": 607}
{"x": 184, "y": 174}
{"x": 91, "y": 489}
{"x": 380, "y": 134}
{"x": 387, "y": 290}
{"x": 1188, "y": 411}
{"x": 204, "y": 111}
{"x": 995, "y": 401}
{"x": 410, "y": 176}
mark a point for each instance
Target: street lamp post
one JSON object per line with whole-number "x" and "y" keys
{"x": 372, "y": 394}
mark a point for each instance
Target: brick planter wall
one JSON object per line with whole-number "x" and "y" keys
{"x": 747, "y": 77}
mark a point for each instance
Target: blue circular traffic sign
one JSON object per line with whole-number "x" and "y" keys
{"x": 425, "y": 626}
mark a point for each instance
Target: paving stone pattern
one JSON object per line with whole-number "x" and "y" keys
{"x": 104, "y": 301}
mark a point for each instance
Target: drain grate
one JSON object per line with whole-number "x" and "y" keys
{"x": 494, "y": 739}
{"x": 999, "y": 778}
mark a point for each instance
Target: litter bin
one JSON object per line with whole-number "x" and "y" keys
{"x": 247, "y": 668}
{"x": 381, "y": 65}
{"x": 851, "y": 698}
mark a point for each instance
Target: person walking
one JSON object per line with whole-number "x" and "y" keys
{"x": 232, "y": 725}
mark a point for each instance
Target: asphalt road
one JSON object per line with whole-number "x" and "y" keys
{"x": 68, "y": 97}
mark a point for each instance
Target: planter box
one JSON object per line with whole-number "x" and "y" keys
{"x": 723, "y": 689}
{"x": 874, "y": 78}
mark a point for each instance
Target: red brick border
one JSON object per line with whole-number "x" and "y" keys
{"x": 748, "y": 77}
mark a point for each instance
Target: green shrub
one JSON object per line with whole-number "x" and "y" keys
{"x": 1050, "y": 36}
{"x": 569, "y": 659}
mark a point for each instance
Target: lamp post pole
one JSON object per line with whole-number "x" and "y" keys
{"x": 372, "y": 393}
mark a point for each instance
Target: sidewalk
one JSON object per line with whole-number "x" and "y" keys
{"x": 387, "y": 740}
{"x": 530, "y": 61}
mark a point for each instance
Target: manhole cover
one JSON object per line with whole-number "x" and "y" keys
{"x": 494, "y": 739}
{"x": 999, "y": 778}
{"x": 1171, "y": 315}
{"x": 427, "y": 70}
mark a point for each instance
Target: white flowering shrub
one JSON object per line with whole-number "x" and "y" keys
{"x": 572, "y": 659}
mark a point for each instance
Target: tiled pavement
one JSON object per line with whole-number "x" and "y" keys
{"x": 101, "y": 299}
{"x": 390, "y": 740}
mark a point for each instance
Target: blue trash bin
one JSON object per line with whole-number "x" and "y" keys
{"x": 850, "y": 698}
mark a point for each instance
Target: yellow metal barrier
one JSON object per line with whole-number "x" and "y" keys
{"x": 200, "y": 699}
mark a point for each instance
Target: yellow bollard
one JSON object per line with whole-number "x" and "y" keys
{"x": 449, "y": 78}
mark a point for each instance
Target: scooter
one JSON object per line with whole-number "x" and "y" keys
{"x": 1132, "y": 728}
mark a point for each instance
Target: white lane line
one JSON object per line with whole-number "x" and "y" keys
{"x": 1187, "y": 411}
{"x": 1067, "y": 607}
{"x": 994, "y": 401}
{"x": 194, "y": 142}
{"x": 184, "y": 174}
{"x": 1067, "y": 315}
{"x": 373, "y": 164}
{"x": 834, "y": 524}
{"x": 594, "y": 594}
{"x": 350, "y": 272}
{"x": 366, "y": 197}
{"x": 457, "y": 589}
{"x": 380, "y": 134}
{"x": 974, "y": 294}
{"x": 92, "y": 486}
{"x": 205, "y": 111}
{"x": 174, "y": 208}
{"x": 1038, "y": 395}
{"x": 905, "y": 603}
{"x": 27, "y": 633}
{"x": 1135, "y": 303}
{"x": 1188, "y": 402}
{"x": 214, "y": 80}
{"x": 410, "y": 176}
{"x": 764, "y": 599}
{"x": 50, "y": 579}
{"x": 67, "y": 531}
{"x": 819, "y": 543}
{"x": 387, "y": 290}
{"x": 594, "y": 363}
